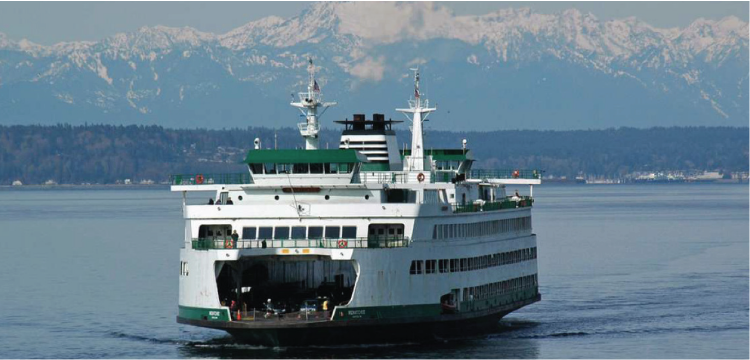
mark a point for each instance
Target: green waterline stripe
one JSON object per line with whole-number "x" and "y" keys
{"x": 379, "y": 312}
{"x": 196, "y": 313}
{"x": 385, "y": 312}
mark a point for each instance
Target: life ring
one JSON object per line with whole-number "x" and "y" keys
{"x": 342, "y": 243}
{"x": 228, "y": 244}
{"x": 199, "y": 179}
{"x": 420, "y": 177}
{"x": 516, "y": 174}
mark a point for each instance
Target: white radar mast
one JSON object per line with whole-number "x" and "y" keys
{"x": 421, "y": 109}
{"x": 308, "y": 104}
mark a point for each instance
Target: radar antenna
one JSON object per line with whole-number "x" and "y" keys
{"x": 418, "y": 107}
{"x": 308, "y": 105}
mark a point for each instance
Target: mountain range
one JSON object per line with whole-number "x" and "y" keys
{"x": 510, "y": 69}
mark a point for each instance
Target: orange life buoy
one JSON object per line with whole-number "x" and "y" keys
{"x": 516, "y": 174}
{"x": 228, "y": 244}
{"x": 420, "y": 177}
{"x": 342, "y": 243}
{"x": 199, "y": 179}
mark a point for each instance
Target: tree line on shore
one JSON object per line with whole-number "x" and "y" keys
{"x": 107, "y": 154}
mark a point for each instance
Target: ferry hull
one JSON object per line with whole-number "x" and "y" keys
{"x": 364, "y": 331}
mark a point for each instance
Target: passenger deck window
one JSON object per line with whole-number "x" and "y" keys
{"x": 429, "y": 266}
{"x": 301, "y": 168}
{"x": 443, "y": 265}
{"x": 281, "y": 233}
{"x": 416, "y": 267}
{"x": 332, "y": 232}
{"x": 265, "y": 233}
{"x": 256, "y": 168}
{"x": 349, "y": 232}
{"x": 315, "y": 232}
{"x": 298, "y": 232}
{"x": 248, "y": 233}
{"x": 270, "y": 168}
{"x": 316, "y": 168}
{"x": 284, "y": 168}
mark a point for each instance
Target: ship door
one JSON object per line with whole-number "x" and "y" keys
{"x": 223, "y": 196}
{"x": 449, "y": 302}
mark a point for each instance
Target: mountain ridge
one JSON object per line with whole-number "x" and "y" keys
{"x": 698, "y": 72}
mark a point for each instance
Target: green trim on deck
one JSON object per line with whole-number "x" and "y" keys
{"x": 195, "y": 313}
{"x": 296, "y": 156}
{"x": 375, "y": 167}
{"x": 210, "y": 179}
{"x": 504, "y": 174}
{"x": 405, "y": 311}
{"x": 386, "y": 312}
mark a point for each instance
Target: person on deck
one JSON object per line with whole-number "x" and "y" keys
{"x": 269, "y": 309}
{"x": 210, "y": 201}
{"x": 235, "y": 237}
{"x": 229, "y": 201}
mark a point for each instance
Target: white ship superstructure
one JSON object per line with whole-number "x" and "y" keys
{"x": 358, "y": 244}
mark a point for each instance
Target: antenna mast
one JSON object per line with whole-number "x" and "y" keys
{"x": 418, "y": 107}
{"x": 308, "y": 105}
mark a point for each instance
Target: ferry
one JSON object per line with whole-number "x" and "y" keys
{"x": 366, "y": 243}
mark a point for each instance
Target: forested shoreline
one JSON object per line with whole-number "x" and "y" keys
{"x": 106, "y": 154}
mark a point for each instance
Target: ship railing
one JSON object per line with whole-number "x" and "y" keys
{"x": 510, "y": 202}
{"x": 384, "y": 177}
{"x": 308, "y": 129}
{"x": 210, "y": 179}
{"x": 504, "y": 174}
{"x": 275, "y": 315}
{"x": 338, "y": 243}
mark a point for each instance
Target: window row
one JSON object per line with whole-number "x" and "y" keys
{"x": 469, "y": 264}
{"x": 299, "y": 232}
{"x": 484, "y": 228}
{"x": 322, "y": 168}
{"x": 499, "y": 288}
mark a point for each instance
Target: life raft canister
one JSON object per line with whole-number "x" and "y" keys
{"x": 342, "y": 243}
{"x": 516, "y": 174}
{"x": 199, "y": 179}
{"x": 420, "y": 177}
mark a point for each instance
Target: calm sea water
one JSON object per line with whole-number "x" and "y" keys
{"x": 647, "y": 271}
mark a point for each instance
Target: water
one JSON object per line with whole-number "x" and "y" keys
{"x": 643, "y": 271}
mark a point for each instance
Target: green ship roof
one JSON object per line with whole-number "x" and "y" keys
{"x": 444, "y": 154}
{"x": 294, "y": 156}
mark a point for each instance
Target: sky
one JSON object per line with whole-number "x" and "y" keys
{"x": 51, "y": 22}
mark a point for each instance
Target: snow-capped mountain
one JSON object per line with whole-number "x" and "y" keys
{"x": 513, "y": 68}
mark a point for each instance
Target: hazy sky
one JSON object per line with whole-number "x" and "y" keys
{"x": 50, "y": 22}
